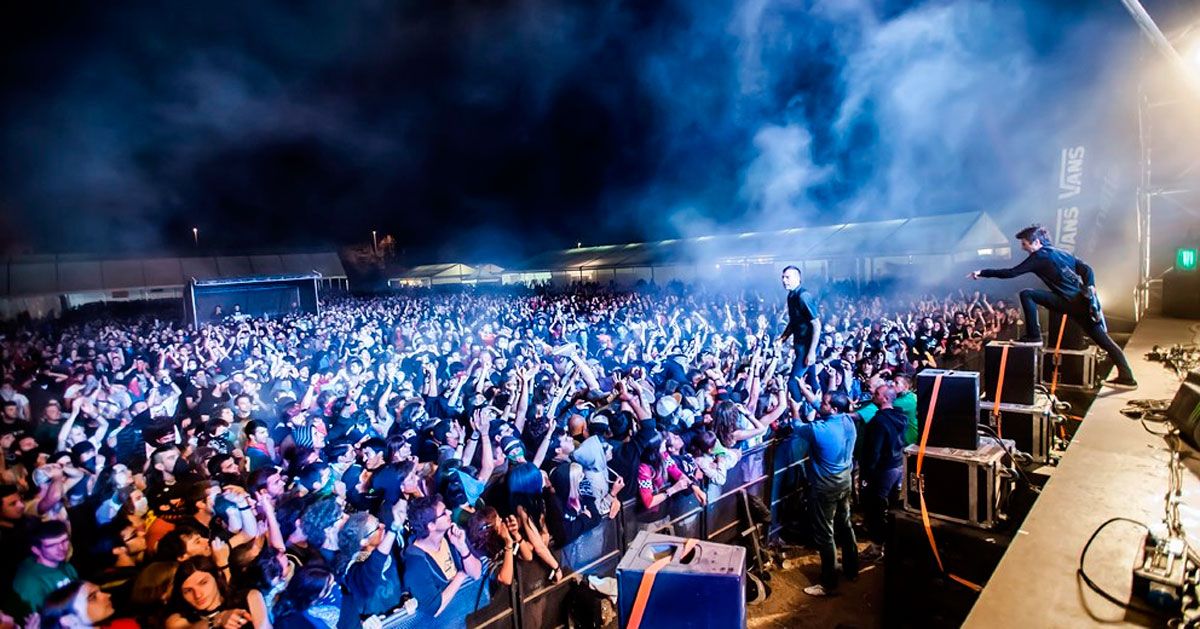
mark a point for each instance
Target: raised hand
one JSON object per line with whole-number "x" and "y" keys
{"x": 458, "y": 537}
{"x": 220, "y": 552}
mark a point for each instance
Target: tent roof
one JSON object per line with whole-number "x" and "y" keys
{"x": 55, "y": 274}
{"x": 940, "y": 234}
{"x": 450, "y": 270}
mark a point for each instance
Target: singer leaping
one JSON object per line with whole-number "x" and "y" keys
{"x": 1072, "y": 285}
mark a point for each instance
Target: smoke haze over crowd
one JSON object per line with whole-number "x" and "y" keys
{"x": 495, "y": 130}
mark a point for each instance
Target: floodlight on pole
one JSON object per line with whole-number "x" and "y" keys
{"x": 374, "y": 243}
{"x": 1188, "y": 68}
{"x": 196, "y": 236}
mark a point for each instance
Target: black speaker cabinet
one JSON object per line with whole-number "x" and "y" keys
{"x": 703, "y": 588}
{"x": 1073, "y": 337}
{"x": 1020, "y": 371}
{"x": 956, "y": 418}
{"x": 1181, "y": 294}
{"x": 916, "y": 593}
{"x": 1184, "y": 410}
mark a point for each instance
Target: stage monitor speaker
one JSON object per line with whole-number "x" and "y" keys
{"x": 1184, "y": 410}
{"x": 1021, "y": 370}
{"x": 1181, "y": 294}
{"x": 956, "y": 418}
{"x": 705, "y": 587}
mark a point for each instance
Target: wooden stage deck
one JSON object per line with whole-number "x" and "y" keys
{"x": 1112, "y": 468}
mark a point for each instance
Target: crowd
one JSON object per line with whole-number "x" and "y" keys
{"x": 406, "y": 451}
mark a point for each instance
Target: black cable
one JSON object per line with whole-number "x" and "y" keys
{"x": 1092, "y": 584}
{"x": 1013, "y": 458}
{"x": 1156, "y": 433}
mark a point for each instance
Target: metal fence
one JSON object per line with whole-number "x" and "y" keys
{"x": 770, "y": 472}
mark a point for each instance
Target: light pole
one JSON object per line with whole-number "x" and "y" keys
{"x": 196, "y": 236}
{"x": 374, "y": 243}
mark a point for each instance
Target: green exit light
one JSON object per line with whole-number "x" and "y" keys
{"x": 1185, "y": 259}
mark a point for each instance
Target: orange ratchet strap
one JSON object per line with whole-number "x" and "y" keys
{"x": 1062, "y": 327}
{"x": 937, "y": 385}
{"x": 999, "y": 390}
{"x": 643, "y": 593}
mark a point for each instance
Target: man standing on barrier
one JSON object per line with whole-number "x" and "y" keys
{"x": 804, "y": 329}
{"x": 1072, "y": 292}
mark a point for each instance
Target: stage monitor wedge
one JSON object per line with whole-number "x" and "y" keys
{"x": 1181, "y": 294}
{"x": 1184, "y": 411}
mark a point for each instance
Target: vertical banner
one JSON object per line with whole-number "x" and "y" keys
{"x": 1095, "y": 219}
{"x": 1070, "y": 190}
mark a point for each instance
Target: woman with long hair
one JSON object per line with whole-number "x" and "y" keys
{"x": 658, "y": 479}
{"x": 654, "y": 471}
{"x": 576, "y": 513}
{"x": 735, "y": 427}
{"x": 266, "y": 576}
{"x": 152, "y": 591}
{"x": 201, "y": 598}
{"x": 497, "y": 542}
{"x": 527, "y": 501}
{"x": 526, "y": 490}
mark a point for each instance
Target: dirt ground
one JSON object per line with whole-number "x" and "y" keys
{"x": 857, "y": 604}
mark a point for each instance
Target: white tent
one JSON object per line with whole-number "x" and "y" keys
{"x": 41, "y": 284}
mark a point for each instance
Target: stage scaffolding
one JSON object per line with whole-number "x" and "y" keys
{"x": 1173, "y": 178}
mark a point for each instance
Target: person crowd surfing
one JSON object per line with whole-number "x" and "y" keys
{"x": 1072, "y": 285}
{"x": 406, "y": 452}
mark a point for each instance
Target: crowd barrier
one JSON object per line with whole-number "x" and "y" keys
{"x": 771, "y": 472}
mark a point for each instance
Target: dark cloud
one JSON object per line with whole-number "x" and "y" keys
{"x": 492, "y": 130}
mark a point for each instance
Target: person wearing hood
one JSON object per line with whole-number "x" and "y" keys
{"x": 592, "y": 455}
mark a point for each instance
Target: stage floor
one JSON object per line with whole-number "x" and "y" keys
{"x": 1112, "y": 468}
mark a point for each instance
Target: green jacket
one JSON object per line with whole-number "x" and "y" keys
{"x": 906, "y": 402}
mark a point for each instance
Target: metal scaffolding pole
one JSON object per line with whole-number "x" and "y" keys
{"x": 1141, "y": 300}
{"x": 1146, "y": 191}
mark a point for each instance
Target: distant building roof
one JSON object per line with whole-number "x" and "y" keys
{"x": 924, "y": 235}
{"x": 57, "y": 274}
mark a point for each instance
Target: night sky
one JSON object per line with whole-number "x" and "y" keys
{"x": 493, "y": 130}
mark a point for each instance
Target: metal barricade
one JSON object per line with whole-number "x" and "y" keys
{"x": 771, "y": 472}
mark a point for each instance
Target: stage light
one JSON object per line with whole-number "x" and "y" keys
{"x": 1193, "y": 56}
{"x": 1185, "y": 259}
